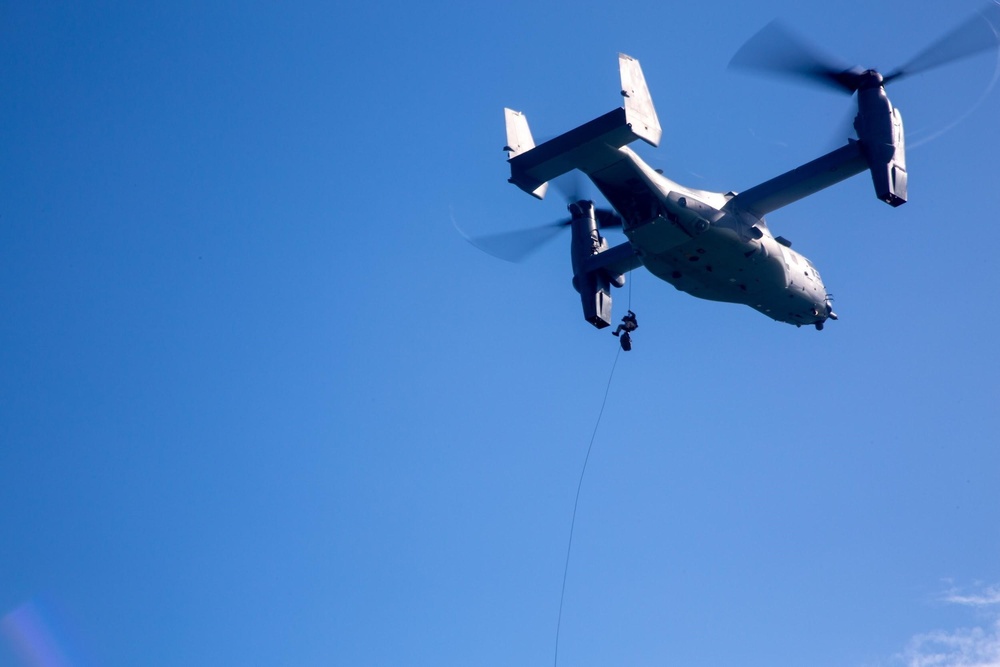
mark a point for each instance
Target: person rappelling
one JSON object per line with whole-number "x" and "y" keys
{"x": 625, "y": 329}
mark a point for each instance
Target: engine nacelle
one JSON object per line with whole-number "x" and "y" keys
{"x": 594, "y": 286}
{"x": 880, "y": 130}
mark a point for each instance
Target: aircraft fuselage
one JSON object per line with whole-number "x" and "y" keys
{"x": 696, "y": 241}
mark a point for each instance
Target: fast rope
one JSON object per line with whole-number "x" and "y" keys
{"x": 576, "y": 503}
{"x": 630, "y": 289}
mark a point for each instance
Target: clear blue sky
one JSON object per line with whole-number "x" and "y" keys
{"x": 261, "y": 404}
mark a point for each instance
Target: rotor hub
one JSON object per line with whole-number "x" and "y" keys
{"x": 870, "y": 79}
{"x": 580, "y": 209}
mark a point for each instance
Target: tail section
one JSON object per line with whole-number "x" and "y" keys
{"x": 639, "y": 111}
{"x": 585, "y": 147}
{"x": 519, "y": 141}
{"x": 518, "y": 134}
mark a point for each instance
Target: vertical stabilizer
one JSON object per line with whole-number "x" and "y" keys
{"x": 519, "y": 141}
{"x": 639, "y": 111}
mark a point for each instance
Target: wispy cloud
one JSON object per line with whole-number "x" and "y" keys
{"x": 965, "y": 647}
{"x": 986, "y": 597}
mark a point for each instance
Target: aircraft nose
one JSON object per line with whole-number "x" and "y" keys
{"x": 823, "y": 314}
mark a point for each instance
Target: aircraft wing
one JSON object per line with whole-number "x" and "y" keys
{"x": 803, "y": 181}
{"x": 616, "y": 261}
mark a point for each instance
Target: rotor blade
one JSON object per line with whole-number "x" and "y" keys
{"x": 844, "y": 130}
{"x": 517, "y": 245}
{"x": 571, "y": 186}
{"x": 777, "y": 50}
{"x": 979, "y": 33}
{"x": 607, "y": 218}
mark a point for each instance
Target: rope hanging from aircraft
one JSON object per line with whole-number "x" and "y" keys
{"x": 576, "y": 501}
{"x": 630, "y": 289}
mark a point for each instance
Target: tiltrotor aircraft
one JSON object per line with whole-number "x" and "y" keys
{"x": 717, "y": 245}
